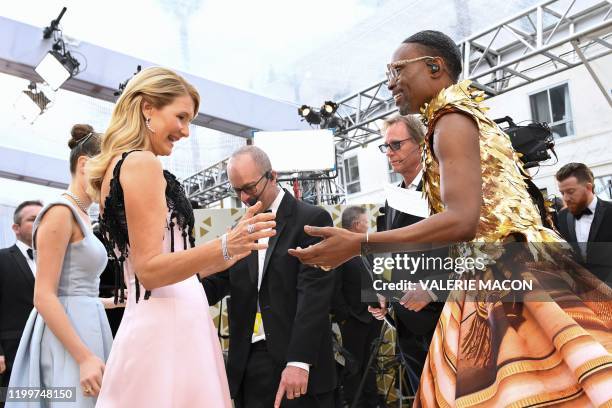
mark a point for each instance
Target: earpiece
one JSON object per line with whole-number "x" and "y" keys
{"x": 434, "y": 67}
{"x": 268, "y": 175}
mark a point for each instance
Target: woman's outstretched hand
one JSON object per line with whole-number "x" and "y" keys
{"x": 338, "y": 246}
{"x": 242, "y": 239}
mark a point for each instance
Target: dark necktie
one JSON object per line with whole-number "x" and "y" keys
{"x": 30, "y": 253}
{"x": 586, "y": 211}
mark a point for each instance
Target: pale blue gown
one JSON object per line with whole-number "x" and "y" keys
{"x": 42, "y": 360}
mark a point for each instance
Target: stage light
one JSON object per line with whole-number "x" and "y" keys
{"x": 304, "y": 110}
{"x": 31, "y": 103}
{"x": 52, "y": 71}
{"x": 329, "y": 108}
{"x": 58, "y": 65}
{"x": 312, "y": 117}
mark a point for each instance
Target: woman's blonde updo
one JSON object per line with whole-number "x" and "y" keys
{"x": 127, "y": 130}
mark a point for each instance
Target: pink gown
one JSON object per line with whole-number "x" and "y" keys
{"x": 166, "y": 352}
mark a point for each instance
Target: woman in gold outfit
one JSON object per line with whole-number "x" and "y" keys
{"x": 489, "y": 350}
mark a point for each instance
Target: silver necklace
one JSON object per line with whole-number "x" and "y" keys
{"x": 77, "y": 200}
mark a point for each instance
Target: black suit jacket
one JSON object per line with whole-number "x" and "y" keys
{"x": 598, "y": 258}
{"x": 409, "y": 322}
{"x": 350, "y": 278}
{"x": 16, "y": 294}
{"x": 294, "y": 301}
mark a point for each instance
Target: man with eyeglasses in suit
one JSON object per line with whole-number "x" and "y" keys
{"x": 280, "y": 332}
{"x": 415, "y": 317}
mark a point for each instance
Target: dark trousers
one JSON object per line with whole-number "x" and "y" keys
{"x": 260, "y": 384}
{"x": 10, "y": 350}
{"x": 357, "y": 339}
{"x": 414, "y": 349}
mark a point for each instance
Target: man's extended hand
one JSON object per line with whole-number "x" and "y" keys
{"x": 2, "y": 365}
{"x": 338, "y": 246}
{"x": 293, "y": 383}
{"x": 416, "y": 300}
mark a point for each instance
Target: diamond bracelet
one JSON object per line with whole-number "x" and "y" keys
{"x": 224, "y": 249}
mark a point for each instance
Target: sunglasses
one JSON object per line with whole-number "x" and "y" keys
{"x": 394, "y": 145}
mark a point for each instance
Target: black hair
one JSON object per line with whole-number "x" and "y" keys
{"x": 350, "y": 215}
{"x": 439, "y": 45}
{"x": 84, "y": 142}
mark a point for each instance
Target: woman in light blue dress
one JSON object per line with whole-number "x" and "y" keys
{"x": 67, "y": 337}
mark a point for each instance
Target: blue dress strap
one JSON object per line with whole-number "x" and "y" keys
{"x": 59, "y": 201}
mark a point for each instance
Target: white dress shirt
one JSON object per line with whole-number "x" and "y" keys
{"x": 583, "y": 225}
{"x": 24, "y": 250}
{"x": 261, "y": 257}
{"x": 415, "y": 182}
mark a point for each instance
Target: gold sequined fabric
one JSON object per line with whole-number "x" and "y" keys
{"x": 491, "y": 348}
{"x": 507, "y": 207}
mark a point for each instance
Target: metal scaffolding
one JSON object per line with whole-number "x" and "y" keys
{"x": 209, "y": 185}
{"x": 541, "y": 41}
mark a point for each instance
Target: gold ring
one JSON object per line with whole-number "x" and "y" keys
{"x": 87, "y": 390}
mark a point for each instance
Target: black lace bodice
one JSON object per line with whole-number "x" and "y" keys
{"x": 114, "y": 228}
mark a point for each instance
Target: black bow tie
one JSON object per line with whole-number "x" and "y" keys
{"x": 30, "y": 253}
{"x": 586, "y": 211}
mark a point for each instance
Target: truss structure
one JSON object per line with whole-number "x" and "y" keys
{"x": 209, "y": 185}
{"x": 546, "y": 39}
{"x": 541, "y": 41}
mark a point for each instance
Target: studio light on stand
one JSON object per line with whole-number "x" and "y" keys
{"x": 58, "y": 65}
{"x": 31, "y": 103}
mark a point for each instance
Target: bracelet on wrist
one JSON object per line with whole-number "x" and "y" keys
{"x": 224, "y": 249}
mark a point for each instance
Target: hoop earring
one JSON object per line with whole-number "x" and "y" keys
{"x": 148, "y": 125}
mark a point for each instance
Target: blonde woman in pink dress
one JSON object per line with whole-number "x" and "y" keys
{"x": 166, "y": 352}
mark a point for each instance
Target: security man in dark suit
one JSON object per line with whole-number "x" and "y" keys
{"x": 586, "y": 221}
{"x": 357, "y": 326}
{"x": 280, "y": 330}
{"x": 17, "y": 271}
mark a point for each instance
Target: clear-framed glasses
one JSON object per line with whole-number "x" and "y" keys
{"x": 394, "y": 145}
{"x": 394, "y": 68}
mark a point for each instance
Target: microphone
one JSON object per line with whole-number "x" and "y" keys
{"x": 253, "y": 200}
